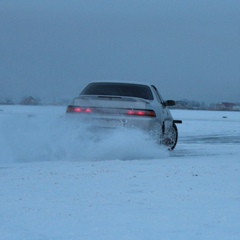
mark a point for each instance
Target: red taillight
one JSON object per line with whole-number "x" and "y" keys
{"x": 141, "y": 113}
{"x": 73, "y": 109}
{"x": 77, "y": 109}
{"x": 88, "y": 110}
{"x": 120, "y": 111}
{"x": 130, "y": 112}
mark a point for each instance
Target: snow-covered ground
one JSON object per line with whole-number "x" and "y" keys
{"x": 58, "y": 181}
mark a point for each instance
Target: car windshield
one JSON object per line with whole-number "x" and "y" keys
{"x": 119, "y": 89}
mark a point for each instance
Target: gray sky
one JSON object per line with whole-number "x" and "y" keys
{"x": 190, "y": 49}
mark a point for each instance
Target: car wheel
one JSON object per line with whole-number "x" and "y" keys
{"x": 170, "y": 137}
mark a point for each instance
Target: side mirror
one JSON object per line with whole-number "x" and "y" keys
{"x": 169, "y": 103}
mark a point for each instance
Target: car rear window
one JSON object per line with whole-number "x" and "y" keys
{"x": 119, "y": 89}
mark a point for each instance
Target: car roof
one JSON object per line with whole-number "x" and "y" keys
{"x": 121, "y": 81}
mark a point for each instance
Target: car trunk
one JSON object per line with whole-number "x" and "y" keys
{"x": 110, "y": 102}
{"x": 113, "y": 111}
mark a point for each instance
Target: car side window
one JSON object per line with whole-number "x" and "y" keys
{"x": 156, "y": 93}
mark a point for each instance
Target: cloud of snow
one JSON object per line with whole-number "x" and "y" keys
{"x": 50, "y": 138}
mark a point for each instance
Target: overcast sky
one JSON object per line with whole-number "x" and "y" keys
{"x": 190, "y": 49}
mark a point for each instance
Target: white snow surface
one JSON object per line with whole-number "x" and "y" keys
{"x": 61, "y": 181}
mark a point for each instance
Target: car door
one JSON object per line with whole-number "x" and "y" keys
{"x": 166, "y": 117}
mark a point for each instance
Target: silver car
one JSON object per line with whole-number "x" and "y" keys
{"x": 127, "y": 104}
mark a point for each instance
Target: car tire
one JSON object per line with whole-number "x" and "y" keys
{"x": 170, "y": 137}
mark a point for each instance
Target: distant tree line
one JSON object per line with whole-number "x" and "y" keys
{"x": 29, "y": 100}
{"x": 182, "y": 104}
{"x": 195, "y": 105}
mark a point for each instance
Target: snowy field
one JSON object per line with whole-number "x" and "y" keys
{"x": 58, "y": 181}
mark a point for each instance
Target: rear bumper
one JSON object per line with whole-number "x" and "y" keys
{"x": 99, "y": 121}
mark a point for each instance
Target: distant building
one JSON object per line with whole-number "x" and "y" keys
{"x": 226, "y": 106}
{"x": 236, "y": 108}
